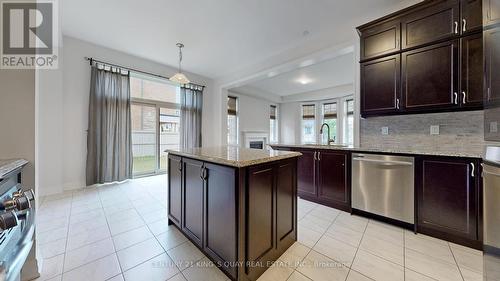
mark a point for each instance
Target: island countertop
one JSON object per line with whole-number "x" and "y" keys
{"x": 9, "y": 165}
{"x": 233, "y": 156}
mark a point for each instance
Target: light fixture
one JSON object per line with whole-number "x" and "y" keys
{"x": 179, "y": 77}
{"x": 304, "y": 80}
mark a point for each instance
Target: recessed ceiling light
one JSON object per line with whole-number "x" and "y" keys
{"x": 304, "y": 80}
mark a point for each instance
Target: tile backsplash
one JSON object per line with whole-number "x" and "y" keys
{"x": 458, "y": 131}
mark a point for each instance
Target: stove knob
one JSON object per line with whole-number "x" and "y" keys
{"x": 8, "y": 204}
{"x": 8, "y": 220}
{"x": 22, "y": 203}
{"x": 30, "y": 194}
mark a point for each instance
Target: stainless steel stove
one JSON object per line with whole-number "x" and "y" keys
{"x": 17, "y": 225}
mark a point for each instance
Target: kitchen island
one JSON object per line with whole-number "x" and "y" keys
{"x": 237, "y": 205}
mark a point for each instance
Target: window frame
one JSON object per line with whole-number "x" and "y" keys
{"x": 276, "y": 123}
{"x": 302, "y": 121}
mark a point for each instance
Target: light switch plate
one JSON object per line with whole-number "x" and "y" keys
{"x": 493, "y": 127}
{"x": 434, "y": 129}
{"x": 385, "y": 130}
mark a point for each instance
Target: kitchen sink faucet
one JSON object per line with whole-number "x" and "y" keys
{"x": 330, "y": 141}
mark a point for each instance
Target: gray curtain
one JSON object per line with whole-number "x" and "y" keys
{"x": 109, "y": 143}
{"x": 191, "y": 109}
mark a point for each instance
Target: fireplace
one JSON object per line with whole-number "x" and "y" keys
{"x": 255, "y": 139}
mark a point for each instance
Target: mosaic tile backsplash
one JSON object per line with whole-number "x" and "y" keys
{"x": 459, "y": 131}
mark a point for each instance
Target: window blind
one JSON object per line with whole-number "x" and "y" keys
{"x": 330, "y": 110}
{"x": 231, "y": 106}
{"x": 308, "y": 111}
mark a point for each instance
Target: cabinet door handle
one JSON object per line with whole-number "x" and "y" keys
{"x": 456, "y": 98}
{"x": 464, "y": 98}
{"x": 464, "y": 24}
{"x": 314, "y": 156}
{"x": 397, "y": 103}
{"x": 201, "y": 173}
{"x": 456, "y": 27}
{"x": 473, "y": 169}
{"x": 180, "y": 166}
{"x": 319, "y": 154}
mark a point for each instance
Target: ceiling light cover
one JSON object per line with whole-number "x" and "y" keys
{"x": 179, "y": 77}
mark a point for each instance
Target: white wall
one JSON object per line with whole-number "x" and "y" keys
{"x": 64, "y": 96}
{"x": 253, "y": 114}
{"x": 290, "y": 123}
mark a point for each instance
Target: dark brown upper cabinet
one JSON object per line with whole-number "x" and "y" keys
{"x": 380, "y": 39}
{"x": 381, "y": 86}
{"x": 471, "y": 94}
{"x": 448, "y": 198}
{"x": 430, "y": 77}
{"x": 491, "y": 12}
{"x": 492, "y": 63}
{"x": 472, "y": 17}
{"x": 430, "y": 24}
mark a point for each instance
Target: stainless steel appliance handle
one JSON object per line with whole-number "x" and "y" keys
{"x": 473, "y": 169}
{"x": 403, "y": 163}
{"x": 491, "y": 173}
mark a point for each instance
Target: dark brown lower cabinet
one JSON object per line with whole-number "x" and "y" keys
{"x": 243, "y": 219}
{"x": 448, "y": 200}
{"x": 325, "y": 177}
{"x": 175, "y": 189}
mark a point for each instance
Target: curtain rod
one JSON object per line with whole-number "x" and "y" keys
{"x": 91, "y": 60}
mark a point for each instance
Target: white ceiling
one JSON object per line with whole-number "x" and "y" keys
{"x": 331, "y": 73}
{"x": 220, "y": 35}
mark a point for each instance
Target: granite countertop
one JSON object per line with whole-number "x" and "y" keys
{"x": 234, "y": 156}
{"x": 9, "y": 165}
{"x": 410, "y": 151}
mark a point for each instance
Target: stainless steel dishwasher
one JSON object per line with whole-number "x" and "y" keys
{"x": 384, "y": 185}
{"x": 491, "y": 214}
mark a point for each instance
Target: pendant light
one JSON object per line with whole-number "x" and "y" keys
{"x": 179, "y": 77}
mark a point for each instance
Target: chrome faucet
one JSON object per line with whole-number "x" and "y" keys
{"x": 330, "y": 141}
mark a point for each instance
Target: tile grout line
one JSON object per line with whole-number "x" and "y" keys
{"x": 67, "y": 234}
{"x": 357, "y": 249}
{"x": 456, "y": 262}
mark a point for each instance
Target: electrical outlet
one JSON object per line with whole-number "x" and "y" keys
{"x": 385, "y": 130}
{"x": 493, "y": 127}
{"x": 434, "y": 129}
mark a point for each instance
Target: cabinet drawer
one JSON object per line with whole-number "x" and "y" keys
{"x": 431, "y": 24}
{"x": 430, "y": 77}
{"x": 380, "y": 39}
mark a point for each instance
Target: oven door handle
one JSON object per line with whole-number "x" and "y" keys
{"x": 387, "y": 162}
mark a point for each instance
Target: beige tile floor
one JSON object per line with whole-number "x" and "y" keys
{"x": 120, "y": 232}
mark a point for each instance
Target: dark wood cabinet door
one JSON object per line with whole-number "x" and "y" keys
{"x": 491, "y": 12}
{"x": 492, "y": 66}
{"x": 286, "y": 204}
{"x": 380, "y": 40}
{"x": 447, "y": 191}
{"x": 333, "y": 179}
{"x": 220, "y": 215}
{"x": 192, "y": 223}
{"x": 472, "y": 71}
{"x": 430, "y": 77}
{"x": 260, "y": 223}
{"x": 472, "y": 15}
{"x": 175, "y": 189}
{"x": 306, "y": 173}
{"x": 380, "y": 86}
{"x": 436, "y": 22}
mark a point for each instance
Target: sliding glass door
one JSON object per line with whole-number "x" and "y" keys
{"x": 169, "y": 133}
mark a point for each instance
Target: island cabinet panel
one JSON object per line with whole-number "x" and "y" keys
{"x": 430, "y": 77}
{"x": 380, "y": 39}
{"x": 306, "y": 173}
{"x": 260, "y": 211}
{"x": 175, "y": 189}
{"x": 431, "y": 24}
{"x": 192, "y": 224}
{"x": 220, "y": 214}
{"x": 286, "y": 204}
{"x": 472, "y": 71}
{"x": 381, "y": 86}
{"x": 472, "y": 15}
{"x": 332, "y": 178}
{"x": 448, "y": 198}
